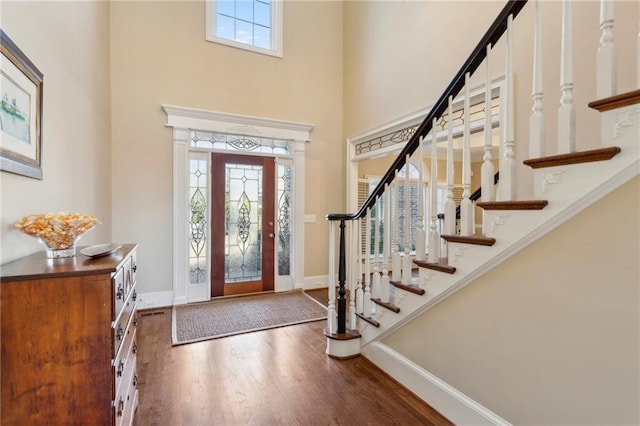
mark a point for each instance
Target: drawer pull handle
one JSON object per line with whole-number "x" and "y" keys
{"x": 120, "y": 292}
{"x": 134, "y": 296}
{"x": 120, "y": 333}
{"x": 135, "y": 380}
{"x": 120, "y": 407}
{"x": 135, "y": 321}
{"x": 135, "y": 267}
{"x": 135, "y": 348}
{"x": 120, "y": 368}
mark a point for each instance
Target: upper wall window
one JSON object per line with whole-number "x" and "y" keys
{"x": 254, "y": 25}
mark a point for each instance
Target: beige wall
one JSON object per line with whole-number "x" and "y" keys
{"x": 159, "y": 55}
{"x": 551, "y": 336}
{"x": 69, "y": 43}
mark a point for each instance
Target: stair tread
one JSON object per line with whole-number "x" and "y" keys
{"x": 479, "y": 240}
{"x": 617, "y": 101}
{"x": 600, "y": 154}
{"x": 513, "y": 205}
{"x": 389, "y": 306}
{"x": 411, "y": 288}
{"x": 442, "y": 267}
{"x": 369, "y": 320}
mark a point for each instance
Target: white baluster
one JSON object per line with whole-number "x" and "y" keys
{"x": 450, "y": 205}
{"x": 375, "y": 220}
{"x": 606, "y": 57}
{"x": 487, "y": 171}
{"x": 332, "y": 318}
{"x": 434, "y": 237}
{"x": 566, "y": 113}
{"x": 536, "y": 121}
{"x": 360, "y": 290}
{"x": 508, "y": 163}
{"x": 467, "y": 225}
{"x": 367, "y": 266}
{"x": 384, "y": 282}
{"x": 420, "y": 233}
{"x": 638, "y": 57}
{"x": 396, "y": 262}
{"x": 406, "y": 261}
{"x": 352, "y": 273}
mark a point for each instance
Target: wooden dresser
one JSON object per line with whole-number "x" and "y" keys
{"x": 69, "y": 339}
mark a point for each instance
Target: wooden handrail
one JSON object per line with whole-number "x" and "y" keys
{"x": 493, "y": 34}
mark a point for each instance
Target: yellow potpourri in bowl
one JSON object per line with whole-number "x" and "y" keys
{"x": 59, "y": 232}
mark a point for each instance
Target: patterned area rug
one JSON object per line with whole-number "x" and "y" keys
{"x": 226, "y": 317}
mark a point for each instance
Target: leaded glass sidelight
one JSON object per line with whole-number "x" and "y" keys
{"x": 283, "y": 216}
{"x": 198, "y": 221}
{"x": 243, "y": 222}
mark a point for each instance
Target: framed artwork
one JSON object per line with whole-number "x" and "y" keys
{"x": 20, "y": 112}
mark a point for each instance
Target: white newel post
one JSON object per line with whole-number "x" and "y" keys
{"x": 360, "y": 290}
{"x": 406, "y": 260}
{"x": 396, "y": 260}
{"x": 384, "y": 283}
{"x": 606, "y": 57}
{"x": 450, "y": 205}
{"x": 487, "y": 171}
{"x": 434, "y": 237}
{"x": 566, "y": 113}
{"x": 508, "y": 163}
{"x": 375, "y": 220}
{"x": 367, "y": 265}
{"x": 467, "y": 224}
{"x": 536, "y": 121}
{"x": 332, "y": 318}
{"x": 420, "y": 233}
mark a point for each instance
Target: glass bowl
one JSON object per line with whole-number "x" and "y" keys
{"x": 58, "y": 232}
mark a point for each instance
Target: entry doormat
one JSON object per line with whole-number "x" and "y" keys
{"x": 226, "y": 317}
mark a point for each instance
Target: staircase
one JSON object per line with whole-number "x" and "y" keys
{"x": 385, "y": 293}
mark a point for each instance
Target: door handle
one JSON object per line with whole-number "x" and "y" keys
{"x": 271, "y": 235}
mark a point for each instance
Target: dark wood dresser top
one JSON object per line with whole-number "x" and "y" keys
{"x": 38, "y": 266}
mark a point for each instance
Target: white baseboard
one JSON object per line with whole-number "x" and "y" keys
{"x": 316, "y": 281}
{"x": 447, "y": 400}
{"x": 156, "y": 299}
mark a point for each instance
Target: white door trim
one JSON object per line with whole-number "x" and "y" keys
{"x": 183, "y": 120}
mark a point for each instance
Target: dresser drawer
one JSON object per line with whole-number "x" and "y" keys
{"x": 134, "y": 266}
{"x": 123, "y": 324}
{"x": 127, "y": 399}
{"x": 125, "y": 358}
{"x": 119, "y": 293}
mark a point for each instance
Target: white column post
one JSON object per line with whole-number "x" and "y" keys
{"x": 487, "y": 171}
{"x": 396, "y": 262}
{"x": 420, "y": 233}
{"x": 180, "y": 215}
{"x": 360, "y": 290}
{"x": 566, "y": 113}
{"x": 375, "y": 221}
{"x": 406, "y": 260}
{"x": 434, "y": 237}
{"x": 508, "y": 164}
{"x": 384, "y": 282}
{"x": 367, "y": 265}
{"x": 353, "y": 324}
{"x": 332, "y": 319}
{"x": 536, "y": 121}
{"x": 467, "y": 225}
{"x": 606, "y": 56}
{"x": 450, "y": 205}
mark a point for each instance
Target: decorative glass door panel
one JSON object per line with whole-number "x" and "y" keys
{"x": 242, "y": 224}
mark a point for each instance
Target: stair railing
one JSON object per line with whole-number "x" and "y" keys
{"x": 396, "y": 247}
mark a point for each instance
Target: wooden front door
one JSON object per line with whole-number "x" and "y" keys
{"x": 242, "y": 224}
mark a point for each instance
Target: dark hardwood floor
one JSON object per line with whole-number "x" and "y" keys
{"x": 274, "y": 377}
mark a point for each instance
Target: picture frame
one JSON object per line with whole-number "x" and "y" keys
{"x": 21, "y": 85}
